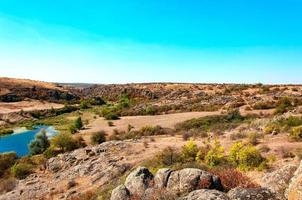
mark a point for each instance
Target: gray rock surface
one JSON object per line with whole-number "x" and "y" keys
{"x": 278, "y": 180}
{"x": 161, "y": 177}
{"x": 188, "y": 180}
{"x": 97, "y": 168}
{"x": 120, "y": 193}
{"x": 251, "y": 194}
{"x": 206, "y": 195}
{"x": 294, "y": 190}
{"x": 138, "y": 181}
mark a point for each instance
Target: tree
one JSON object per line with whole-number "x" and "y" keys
{"x": 40, "y": 144}
{"x": 78, "y": 123}
{"x": 64, "y": 141}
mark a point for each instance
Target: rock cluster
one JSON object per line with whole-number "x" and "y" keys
{"x": 95, "y": 166}
{"x": 185, "y": 184}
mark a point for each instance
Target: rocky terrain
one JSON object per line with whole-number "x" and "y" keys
{"x": 73, "y": 175}
{"x": 12, "y": 90}
{"x": 148, "y": 128}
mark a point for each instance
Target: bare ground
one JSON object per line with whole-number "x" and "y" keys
{"x": 29, "y": 105}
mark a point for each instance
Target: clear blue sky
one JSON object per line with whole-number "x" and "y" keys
{"x": 116, "y": 41}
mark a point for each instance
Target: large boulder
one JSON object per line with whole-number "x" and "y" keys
{"x": 161, "y": 177}
{"x": 188, "y": 180}
{"x": 294, "y": 190}
{"x": 206, "y": 195}
{"x": 139, "y": 181}
{"x": 120, "y": 193}
{"x": 278, "y": 180}
{"x": 252, "y": 194}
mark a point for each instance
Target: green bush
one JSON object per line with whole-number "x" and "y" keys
{"x": 21, "y": 170}
{"x": 215, "y": 156}
{"x": 64, "y": 142}
{"x": 284, "y": 105}
{"x": 189, "y": 151}
{"x": 78, "y": 124}
{"x": 150, "y": 110}
{"x": 112, "y": 116}
{"x": 50, "y": 152}
{"x": 253, "y": 138}
{"x": 246, "y": 157}
{"x": 216, "y": 122}
{"x": 72, "y": 129}
{"x": 40, "y": 144}
{"x": 6, "y": 161}
{"x": 84, "y": 104}
{"x": 6, "y": 132}
{"x": 98, "y": 137}
{"x": 296, "y": 133}
{"x": 151, "y": 130}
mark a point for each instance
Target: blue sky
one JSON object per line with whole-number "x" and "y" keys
{"x": 118, "y": 41}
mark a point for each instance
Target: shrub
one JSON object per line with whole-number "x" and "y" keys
{"x": 186, "y": 135}
{"x": 110, "y": 123}
{"x": 40, "y": 144}
{"x": 98, "y": 137}
{"x": 6, "y": 161}
{"x": 64, "y": 142}
{"x": 72, "y": 129}
{"x": 84, "y": 104}
{"x": 78, "y": 124}
{"x": 202, "y": 153}
{"x": 167, "y": 157}
{"x": 150, "y": 110}
{"x": 272, "y": 128}
{"x": 296, "y": 133}
{"x": 283, "y": 105}
{"x": 6, "y": 132}
{"x": 253, "y": 138}
{"x": 189, "y": 151}
{"x": 232, "y": 178}
{"x": 21, "y": 170}
{"x": 215, "y": 156}
{"x": 151, "y": 130}
{"x": 237, "y": 136}
{"x": 246, "y": 157}
{"x": 80, "y": 142}
{"x": 50, "y": 152}
{"x": 111, "y": 116}
{"x": 216, "y": 122}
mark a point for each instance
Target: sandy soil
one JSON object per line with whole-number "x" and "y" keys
{"x": 166, "y": 121}
{"x": 6, "y": 108}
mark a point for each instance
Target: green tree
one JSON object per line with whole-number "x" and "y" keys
{"x": 78, "y": 123}
{"x": 39, "y": 144}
